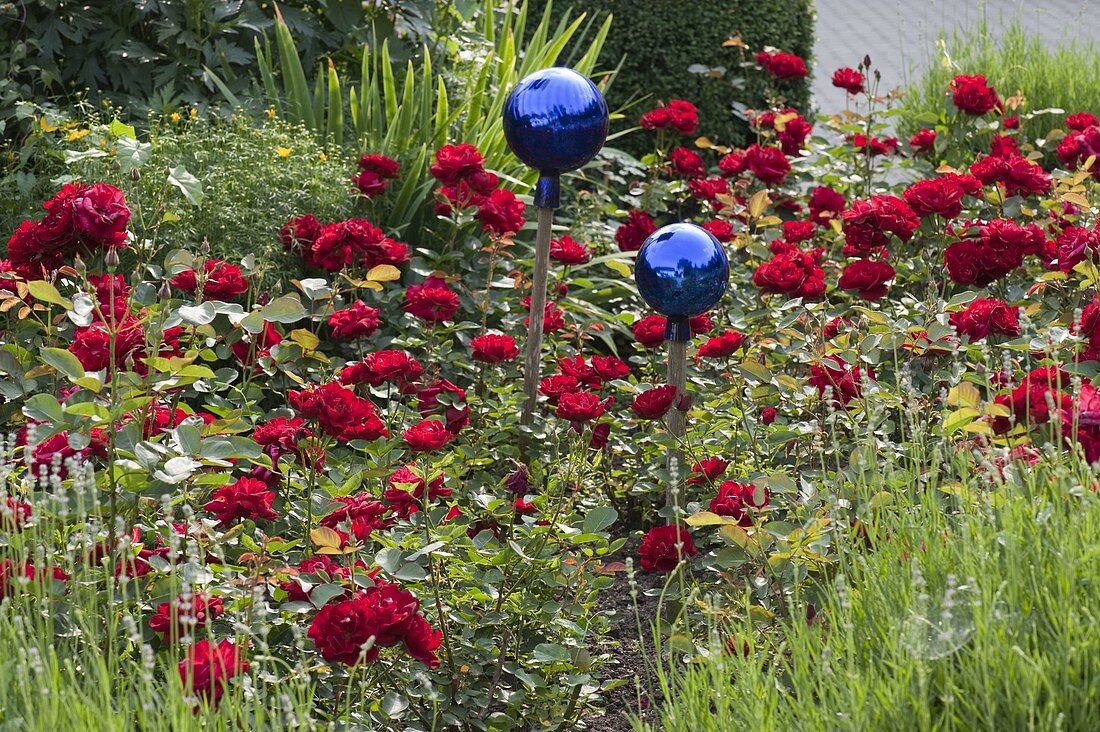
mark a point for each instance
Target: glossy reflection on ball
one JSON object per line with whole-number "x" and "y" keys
{"x": 681, "y": 271}
{"x": 555, "y": 120}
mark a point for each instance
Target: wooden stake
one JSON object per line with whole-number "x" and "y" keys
{"x": 677, "y": 376}
{"x": 532, "y": 359}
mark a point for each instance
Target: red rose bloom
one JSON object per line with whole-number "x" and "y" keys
{"x": 984, "y": 316}
{"x": 867, "y": 224}
{"x": 355, "y": 241}
{"x": 792, "y": 272}
{"x": 825, "y": 204}
{"x": 720, "y": 229}
{"x": 679, "y": 115}
{"x": 432, "y": 302}
{"x": 654, "y": 403}
{"x": 360, "y": 514}
{"x": 792, "y": 134}
{"x": 92, "y": 345}
{"x": 769, "y": 164}
{"x": 733, "y": 163}
{"x": 868, "y": 278}
{"x": 782, "y": 65}
{"x": 1020, "y": 176}
{"x": 709, "y": 189}
{"x": 100, "y": 216}
{"x": 579, "y": 406}
{"x": 380, "y": 367}
{"x": 581, "y": 370}
{"x": 246, "y": 498}
{"x": 358, "y": 321}
{"x": 207, "y": 666}
{"x": 406, "y": 491}
{"x": 568, "y": 251}
{"x": 453, "y": 408}
{"x": 177, "y": 619}
{"x": 455, "y": 163}
{"x": 707, "y": 471}
{"x": 222, "y": 281}
{"x": 374, "y": 173}
{"x": 737, "y": 500}
{"x": 874, "y": 145}
{"x": 843, "y": 381}
{"x": 923, "y": 142}
{"x": 940, "y": 196}
{"x": 973, "y": 95}
{"x": 631, "y": 235}
{"x": 493, "y": 348}
{"x": 299, "y": 233}
{"x": 664, "y": 547}
{"x": 339, "y": 412}
{"x": 1003, "y": 146}
{"x": 1081, "y": 121}
{"x": 722, "y": 346}
{"x": 848, "y": 79}
{"x": 768, "y": 415}
{"x": 650, "y": 331}
{"x": 610, "y": 368}
{"x": 796, "y": 232}
{"x": 999, "y": 249}
{"x": 299, "y": 587}
{"x": 252, "y": 347}
{"x": 686, "y": 163}
{"x": 429, "y": 434}
{"x": 9, "y": 570}
{"x": 1072, "y": 246}
{"x": 502, "y": 213}
{"x": 553, "y": 387}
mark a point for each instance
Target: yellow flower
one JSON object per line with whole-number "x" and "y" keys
{"x": 46, "y": 126}
{"x": 76, "y": 135}
{"x": 322, "y": 155}
{"x": 194, "y": 113}
{"x": 271, "y": 112}
{"x": 175, "y": 117}
{"x": 284, "y": 152}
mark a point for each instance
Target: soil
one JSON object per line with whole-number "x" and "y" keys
{"x": 639, "y": 696}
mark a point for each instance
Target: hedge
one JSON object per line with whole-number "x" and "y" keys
{"x": 661, "y": 39}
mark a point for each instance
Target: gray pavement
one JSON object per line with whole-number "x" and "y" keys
{"x": 901, "y": 35}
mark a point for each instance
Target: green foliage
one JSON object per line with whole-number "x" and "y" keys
{"x": 155, "y": 56}
{"x": 1066, "y": 78}
{"x": 956, "y": 608}
{"x": 670, "y": 46}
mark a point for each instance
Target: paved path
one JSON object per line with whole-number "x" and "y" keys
{"x": 900, "y": 35}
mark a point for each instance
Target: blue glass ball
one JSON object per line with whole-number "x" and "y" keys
{"x": 681, "y": 271}
{"x": 555, "y": 120}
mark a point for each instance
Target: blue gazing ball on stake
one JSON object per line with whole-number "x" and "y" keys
{"x": 555, "y": 121}
{"x": 681, "y": 271}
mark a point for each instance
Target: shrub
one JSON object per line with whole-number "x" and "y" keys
{"x": 1066, "y": 78}
{"x": 674, "y": 50}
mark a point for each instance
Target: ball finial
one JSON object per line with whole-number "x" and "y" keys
{"x": 555, "y": 121}
{"x": 681, "y": 271}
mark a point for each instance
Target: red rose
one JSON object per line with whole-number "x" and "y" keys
{"x": 984, "y": 316}
{"x": 664, "y": 547}
{"x": 650, "y": 331}
{"x": 553, "y": 387}
{"x": 9, "y": 571}
{"x": 1020, "y": 176}
{"x": 1072, "y": 246}
{"x": 380, "y": 165}
{"x": 654, "y": 403}
{"x": 686, "y": 163}
{"x": 429, "y": 434}
{"x": 246, "y": 498}
{"x": 221, "y": 280}
{"x": 493, "y": 348}
{"x": 737, "y": 500}
{"x": 257, "y": 346}
{"x": 610, "y": 368}
{"x": 432, "y": 302}
{"x": 92, "y": 345}
{"x": 868, "y": 278}
{"x": 793, "y": 273}
{"x": 502, "y": 213}
{"x": 940, "y": 196}
{"x": 874, "y": 145}
{"x": 553, "y": 319}
{"x": 1081, "y": 121}
{"x": 999, "y": 249}
{"x": 299, "y": 233}
{"x": 720, "y": 229}
{"x": 385, "y": 613}
{"x": 798, "y": 231}
{"x": 455, "y": 163}
{"x": 680, "y": 115}
{"x": 923, "y": 141}
{"x": 358, "y": 321}
{"x": 707, "y": 471}
{"x": 380, "y": 367}
{"x": 722, "y": 346}
{"x": 844, "y": 382}
{"x": 320, "y": 567}
{"x": 579, "y": 406}
{"x": 354, "y": 241}
{"x": 360, "y": 514}
{"x": 568, "y": 251}
{"x": 339, "y": 412}
{"x": 176, "y": 619}
{"x": 406, "y": 491}
{"x": 973, "y": 95}
{"x": 782, "y": 65}
{"x": 769, "y": 164}
{"x": 733, "y": 163}
{"x": 768, "y": 415}
{"x": 792, "y": 134}
{"x": 867, "y": 224}
{"x": 631, "y": 235}
{"x": 581, "y": 370}
{"x": 1003, "y": 146}
{"x": 709, "y": 189}
{"x": 848, "y": 79}
{"x": 825, "y": 204}
{"x": 100, "y": 216}
{"x": 207, "y": 666}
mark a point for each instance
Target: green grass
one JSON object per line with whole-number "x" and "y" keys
{"x": 972, "y": 606}
{"x": 1066, "y": 77}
